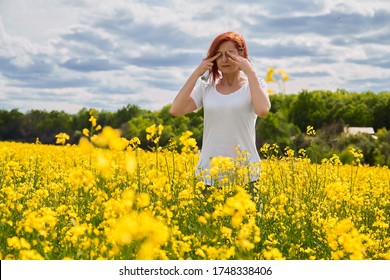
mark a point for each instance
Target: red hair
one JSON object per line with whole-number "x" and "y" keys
{"x": 234, "y": 37}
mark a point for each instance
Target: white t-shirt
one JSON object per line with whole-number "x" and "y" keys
{"x": 229, "y": 122}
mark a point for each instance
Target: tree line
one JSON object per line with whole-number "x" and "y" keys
{"x": 329, "y": 112}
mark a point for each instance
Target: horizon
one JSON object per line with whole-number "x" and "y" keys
{"x": 114, "y": 110}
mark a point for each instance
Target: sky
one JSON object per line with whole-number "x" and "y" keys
{"x": 66, "y": 55}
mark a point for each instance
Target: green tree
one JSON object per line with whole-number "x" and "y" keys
{"x": 125, "y": 114}
{"x": 10, "y": 124}
{"x": 310, "y": 108}
{"x": 380, "y": 110}
{"x": 275, "y": 128}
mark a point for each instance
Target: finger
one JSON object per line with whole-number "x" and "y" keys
{"x": 231, "y": 55}
{"x": 209, "y": 65}
{"x": 215, "y": 56}
{"x": 233, "y": 60}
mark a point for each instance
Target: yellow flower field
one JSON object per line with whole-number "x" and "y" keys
{"x": 108, "y": 199}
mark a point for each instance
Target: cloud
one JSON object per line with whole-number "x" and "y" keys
{"x": 284, "y": 50}
{"x": 22, "y": 66}
{"x": 106, "y": 54}
{"x": 370, "y": 84}
{"x": 83, "y": 35}
{"x": 375, "y": 61}
{"x": 89, "y": 65}
{"x": 286, "y": 7}
{"x": 336, "y": 23}
{"x": 165, "y": 59}
{"x": 309, "y": 74}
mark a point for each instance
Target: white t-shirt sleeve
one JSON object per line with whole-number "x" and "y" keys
{"x": 197, "y": 94}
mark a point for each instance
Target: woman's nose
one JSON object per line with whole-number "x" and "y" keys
{"x": 224, "y": 57}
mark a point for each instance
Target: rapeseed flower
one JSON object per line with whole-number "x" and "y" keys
{"x": 189, "y": 144}
{"x": 273, "y": 254}
{"x": 109, "y": 199}
{"x": 310, "y": 130}
{"x": 154, "y": 132}
{"x": 270, "y": 75}
{"x": 62, "y": 138}
{"x": 283, "y": 74}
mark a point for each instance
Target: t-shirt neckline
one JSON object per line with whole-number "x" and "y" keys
{"x": 233, "y": 92}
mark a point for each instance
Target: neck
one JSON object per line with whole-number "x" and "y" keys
{"x": 231, "y": 78}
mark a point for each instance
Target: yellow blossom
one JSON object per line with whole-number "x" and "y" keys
{"x": 283, "y": 74}
{"x": 93, "y": 121}
{"x": 202, "y": 219}
{"x": 143, "y": 200}
{"x": 107, "y": 198}
{"x": 269, "y": 77}
{"x": 62, "y": 138}
{"x": 310, "y": 130}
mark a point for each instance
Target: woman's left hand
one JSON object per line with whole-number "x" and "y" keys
{"x": 243, "y": 63}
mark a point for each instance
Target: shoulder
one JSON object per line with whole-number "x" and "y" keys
{"x": 203, "y": 86}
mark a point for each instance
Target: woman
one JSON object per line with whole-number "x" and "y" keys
{"x": 232, "y": 97}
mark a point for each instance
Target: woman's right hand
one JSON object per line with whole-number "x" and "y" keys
{"x": 183, "y": 103}
{"x": 206, "y": 64}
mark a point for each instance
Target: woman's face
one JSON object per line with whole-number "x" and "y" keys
{"x": 223, "y": 63}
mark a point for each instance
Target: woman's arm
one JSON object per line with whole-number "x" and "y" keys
{"x": 183, "y": 103}
{"x": 260, "y": 99}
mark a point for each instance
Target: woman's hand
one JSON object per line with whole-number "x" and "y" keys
{"x": 243, "y": 63}
{"x": 260, "y": 99}
{"x": 206, "y": 65}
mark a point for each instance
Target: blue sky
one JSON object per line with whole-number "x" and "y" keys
{"x": 74, "y": 54}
